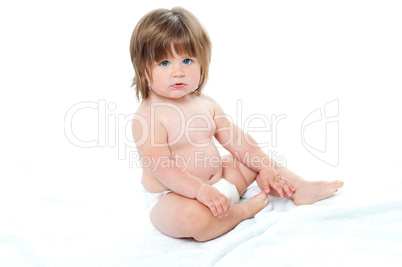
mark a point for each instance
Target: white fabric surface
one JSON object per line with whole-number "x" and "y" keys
{"x": 334, "y": 232}
{"x": 113, "y": 230}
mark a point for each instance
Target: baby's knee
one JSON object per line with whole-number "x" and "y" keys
{"x": 190, "y": 220}
{"x": 196, "y": 221}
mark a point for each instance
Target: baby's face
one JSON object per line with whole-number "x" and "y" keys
{"x": 175, "y": 76}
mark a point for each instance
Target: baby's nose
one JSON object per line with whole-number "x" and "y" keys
{"x": 178, "y": 72}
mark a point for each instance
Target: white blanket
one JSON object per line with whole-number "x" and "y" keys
{"x": 333, "y": 232}
{"x": 360, "y": 225}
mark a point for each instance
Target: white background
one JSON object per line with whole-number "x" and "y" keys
{"x": 278, "y": 57}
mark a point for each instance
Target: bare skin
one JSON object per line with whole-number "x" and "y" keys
{"x": 304, "y": 193}
{"x": 180, "y": 217}
{"x": 173, "y": 131}
{"x": 189, "y": 218}
{"x": 310, "y": 192}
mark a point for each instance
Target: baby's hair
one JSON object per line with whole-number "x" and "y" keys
{"x": 155, "y": 35}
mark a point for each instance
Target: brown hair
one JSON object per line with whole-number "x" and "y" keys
{"x": 155, "y": 35}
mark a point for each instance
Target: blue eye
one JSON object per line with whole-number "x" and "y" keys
{"x": 164, "y": 63}
{"x": 187, "y": 61}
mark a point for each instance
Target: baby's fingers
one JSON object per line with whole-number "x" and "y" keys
{"x": 277, "y": 186}
{"x": 213, "y": 209}
{"x": 225, "y": 205}
{"x": 287, "y": 187}
{"x": 288, "y": 184}
{"x": 219, "y": 207}
{"x": 222, "y": 206}
{"x": 265, "y": 185}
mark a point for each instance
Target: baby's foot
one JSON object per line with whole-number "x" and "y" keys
{"x": 310, "y": 192}
{"x": 255, "y": 204}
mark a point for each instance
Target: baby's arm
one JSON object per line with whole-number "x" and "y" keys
{"x": 239, "y": 144}
{"x": 172, "y": 176}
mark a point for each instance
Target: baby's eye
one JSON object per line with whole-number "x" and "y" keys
{"x": 187, "y": 61}
{"x": 164, "y": 63}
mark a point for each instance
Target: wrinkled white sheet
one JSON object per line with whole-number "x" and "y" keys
{"x": 112, "y": 230}
{"x": 337, "y": 231}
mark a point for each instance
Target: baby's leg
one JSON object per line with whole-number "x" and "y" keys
{"x": 237, "y": 173}
{"x": 308, "y": 192}
{"x": 179, "y": 217}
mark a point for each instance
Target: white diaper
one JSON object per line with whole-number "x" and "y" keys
{"x": 223, "y": 186}
{"x": 151, "y": 198}
{"x": 228, "y": 189}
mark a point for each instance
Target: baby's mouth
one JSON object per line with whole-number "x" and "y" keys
{"x": 178, "y": 85}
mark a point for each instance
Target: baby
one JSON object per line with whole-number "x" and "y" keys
{"x": 192, "y": 191}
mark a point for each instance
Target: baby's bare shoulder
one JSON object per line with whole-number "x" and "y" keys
{"x": 141, "y": 117}
{"x": 205, "y": 98}
{"x": 208, "y": 102}
{"x": 213, "y": 105}
{"x": 154, "y": 113}
{"x": 143, "y": 108}
{"x": 146, "y": 110}
{"x": 144, "y": 119}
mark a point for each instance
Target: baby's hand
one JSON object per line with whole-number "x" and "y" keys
{"x": 270, "y": 177}
{"x": 214, "y": 200}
